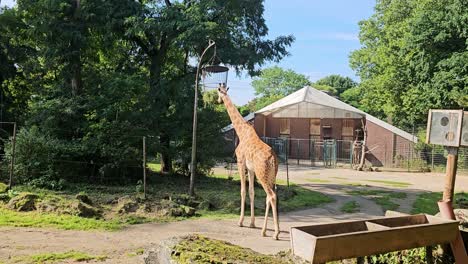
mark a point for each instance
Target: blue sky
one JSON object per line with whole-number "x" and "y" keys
{"x": 326, "y": 32}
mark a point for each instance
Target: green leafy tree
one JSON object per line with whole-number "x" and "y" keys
{"x": 413, "y": 58}
{"x": 93, "y": 77}
{"x": 169, "y": 33}
{"x": 338, "y": 82}
{"x": 276, "y": 81}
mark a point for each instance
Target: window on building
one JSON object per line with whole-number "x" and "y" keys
{"x": 314, "y": 129}
{"x": 284, "y": 126}
{"x": 347, "y": 130}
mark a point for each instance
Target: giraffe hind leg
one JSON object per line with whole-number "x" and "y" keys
{"x": 267, "y": 211}
{"x": 252, "y": 198}
{"x": 274, "y": 210}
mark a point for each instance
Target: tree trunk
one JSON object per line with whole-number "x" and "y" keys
{"x": 166, "y": 160}
{"x": 75, "y": 63}
{"x": 363, "y": 148}
{"x": 159, "y": 105}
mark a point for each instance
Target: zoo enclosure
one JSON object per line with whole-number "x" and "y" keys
{"x": 339, "y": 153}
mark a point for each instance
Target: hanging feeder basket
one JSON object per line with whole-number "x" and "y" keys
{"x": 213, "y": 76}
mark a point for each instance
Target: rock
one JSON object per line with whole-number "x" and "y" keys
{"x": 84, "y": 198}
{"x": 86, "y": 210}
{"x": 168, "y": 204}
{"x": 127, "y": 205}
{"x": 176, "y": 212}
{"x": 23, "y": 202}
{"x": 162, "y": 254}
{"x": 113, "y": 200}
{"x": 144, "y": 208}
{"x": 48, "y": 206}
{"x": 3, "y": 187}
{"x": 462, "y": 216}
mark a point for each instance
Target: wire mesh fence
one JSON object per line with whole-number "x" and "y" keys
{"x": 339, "y": 153}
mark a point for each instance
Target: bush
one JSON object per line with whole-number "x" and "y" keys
{"x": 3, "y": 187}
{"x": 34, "y": 152}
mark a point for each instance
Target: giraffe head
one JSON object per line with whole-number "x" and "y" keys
{"x": 222, "y": 91}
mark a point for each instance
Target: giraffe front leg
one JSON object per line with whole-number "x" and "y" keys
{"x": 252, "y": 198}
{"x": 241, "y": 169}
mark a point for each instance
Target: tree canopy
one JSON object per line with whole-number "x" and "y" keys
{"x": 338, "y": 82}
{"x": 413, "y": 58}
{"x": 93, "y": 77}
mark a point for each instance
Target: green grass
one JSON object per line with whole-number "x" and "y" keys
{"x": 380, "y": 197}
{"x": 156, "y": 167}
{"x": 357, "y": 184}
{"x": 222, "y": 194}
{"x": 137, "y": 252}
{"x": 317, "y": 180}
{"x": 199, "y": 249}
{"x": 427, "y": 202}
{"x": 67, "y": 222}
{"x": 366, "y": 192}
{"x": 340, "y": 178}
{"x": 59, "y": 257}
{"x": 225, "y": 195}
{"x": 350, "y": 207}
{"x": 392, "y": 183}
{"x": 386, "y": 203}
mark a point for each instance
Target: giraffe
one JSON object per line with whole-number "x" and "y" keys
{"x": 259, "y": 160}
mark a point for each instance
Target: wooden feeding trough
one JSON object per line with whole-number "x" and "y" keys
{"x": 328, "y": 242}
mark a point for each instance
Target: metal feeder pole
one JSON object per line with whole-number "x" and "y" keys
{"x": 193, "y": 169}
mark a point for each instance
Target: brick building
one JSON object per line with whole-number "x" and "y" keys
{"x": 315, "y": 123}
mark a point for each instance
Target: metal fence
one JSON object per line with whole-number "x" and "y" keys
{"x": 333, "y": 153}
{"x": 326, "y": 153}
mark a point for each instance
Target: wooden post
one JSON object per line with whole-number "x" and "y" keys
{"x": 12, "y": 163}
{"x": 144, "y": 167}
{"x": 451, "y": 173}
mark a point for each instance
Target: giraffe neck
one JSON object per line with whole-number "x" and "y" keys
{"x": 240, "y": 125}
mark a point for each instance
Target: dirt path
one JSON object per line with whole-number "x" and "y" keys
{"x": 118, "y": 245}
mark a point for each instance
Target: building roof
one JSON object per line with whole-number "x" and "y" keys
{"x": 230, "y": 126}
{"x": 309, "y": 102}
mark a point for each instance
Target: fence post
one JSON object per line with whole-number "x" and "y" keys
{"x": 12, "y": 163}
{"x": 144, "y": 167}
{"x": 408, "y": 159}
{"x": 432, "y": 158}
{"x": 297, "y": 151}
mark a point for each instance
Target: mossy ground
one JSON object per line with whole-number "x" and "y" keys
{"x": 218, "y": 191}
{"x": 43, "y": 258}
{"x": 200, "y": 249}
